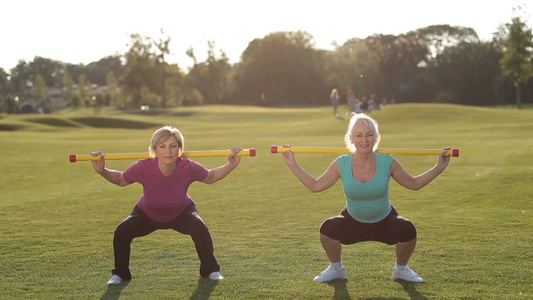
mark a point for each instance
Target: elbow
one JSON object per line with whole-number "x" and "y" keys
{"x": 210, "y": 180}
{"x": 417, "y": 187}
{"x": 314, "y": 189}
{"x": 122, "y": 183}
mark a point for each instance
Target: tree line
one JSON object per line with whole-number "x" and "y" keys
{"x": 438, "y": 63}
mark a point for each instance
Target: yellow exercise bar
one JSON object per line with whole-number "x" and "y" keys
{"x": 339, "y": 150}
{"x": 121, "y": 156}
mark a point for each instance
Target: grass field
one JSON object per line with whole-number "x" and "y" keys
{"x": 474, "y": 221}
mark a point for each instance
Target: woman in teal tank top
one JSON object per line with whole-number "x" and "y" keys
{"x": 368, "y": 214}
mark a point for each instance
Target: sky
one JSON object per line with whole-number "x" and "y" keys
{"x": 81, "y": 32}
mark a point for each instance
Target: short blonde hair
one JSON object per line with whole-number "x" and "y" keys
{"x": 368, "y": 121}
{"x": 163, "y": 134}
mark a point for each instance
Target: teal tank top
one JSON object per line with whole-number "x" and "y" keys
{"x": 367, "y": 202}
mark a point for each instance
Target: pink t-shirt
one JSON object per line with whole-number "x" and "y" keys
{"x": 165, "y": 197}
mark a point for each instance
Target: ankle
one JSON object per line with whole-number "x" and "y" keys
{"x": 336, "y": 265}
{"x": 400, "y": 267}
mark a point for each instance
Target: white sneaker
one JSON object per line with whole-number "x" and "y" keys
{"x": 115, "y": 279}
{"x": 330, "y": 274}
{"x": 215, "y": 276}
{"x": 406, "y": 274}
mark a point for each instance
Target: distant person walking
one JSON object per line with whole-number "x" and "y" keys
{"x": 334, "y": 99}
{"x": 368, "y": 214}
{"x": 165, "y": 203}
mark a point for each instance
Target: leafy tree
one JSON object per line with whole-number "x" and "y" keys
{"x": 175, "y": 83}
{"x": 39, "y": 89}
{"x": 401, "y": 60}
{"x": 82, "y": 88}
{"x": 96, "y": 72}
{"x": 193, "y": 97}
{"x": 149, "y": 98}
{"x": 112, "y": 88}
{"x": 141, "y": 76}
{"x": 3, "y": 104}
{"x": 461, "y": 74}
{"x": 75, "y": 101}
{"x": 396, "y": 56}
{"x": 75, "y": 70}
{"x": 68, "y": 86}
{"x": 352, "y": 66}
{"x": 8, "y": 104}
{"x": 21, "y": 77}
{"x": 517, "y": 58}
{"x": 190, "y": 53}
{"x": 24, "y": 74}
{"x": 4, "y": 82}
{"x": 210, "y": 78}
{"x": 50, "y": 70}
{"x": 163, "y": 47}
{"x": 283, "y": 67}
{"x": 437, "y": 38}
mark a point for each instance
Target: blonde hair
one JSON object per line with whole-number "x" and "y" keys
{"x": 163, "y": 134}
{"x": 366, "y": 120}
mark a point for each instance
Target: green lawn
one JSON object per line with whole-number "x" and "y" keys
{"x": 474, "y": 221}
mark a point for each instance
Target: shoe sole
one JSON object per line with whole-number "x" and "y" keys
{"x": 340, "y": 278}
{"x": 396, "y": 279}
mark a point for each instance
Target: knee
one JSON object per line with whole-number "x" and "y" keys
{"x": 327, "y": 228}
{"x": 408, "y": 233}
{"x": 326, "y": 238}
{"x": 198, "y": 227}
{"x": 122, "y": 233}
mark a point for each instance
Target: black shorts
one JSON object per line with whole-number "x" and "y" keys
{"x": 391, "y": 230}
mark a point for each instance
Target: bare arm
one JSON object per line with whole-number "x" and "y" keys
{"x": 113, "y": 176}
{"x": 324, "y": 182}
{"x": 402, "y": 177}
{"x": 219, "y": 173}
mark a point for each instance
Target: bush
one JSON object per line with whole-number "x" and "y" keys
{"x": 8, "y": 105}
{"x": 194, "y": 97}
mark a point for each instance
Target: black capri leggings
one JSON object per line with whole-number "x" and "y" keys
{"x": 391, "y": 230}
{"x": 138, "y": 224}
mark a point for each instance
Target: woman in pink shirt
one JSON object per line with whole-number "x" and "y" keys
{"x": 165, "y": 203}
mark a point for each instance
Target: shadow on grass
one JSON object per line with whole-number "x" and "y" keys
{"x": 158, "y": 112}
{"x": 410, "y": 288}
{"x": 341, "y": 290}
{"x": 113, "y": 291}
{"x": 113, "y": 123}
{"x": 9, "y": 127}
{"x": 342, "y": 293}
{"x": 182, "y": 114}
{"x": 52, "y": 122}
{"x": 204, "y": 289}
